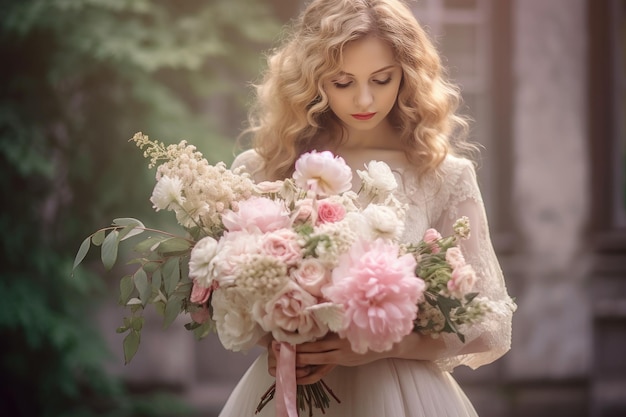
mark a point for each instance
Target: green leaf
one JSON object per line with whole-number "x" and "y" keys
{"x": 131, "y": 344}
{"x": 132, "y": 227}
{"x": 171, "y": 275}
{"x": 82, "y": 252}
{"x": 148, "y": 244}
{"x": 126, "y": 289}
{"x": 174, "y": 246}
{"x": 156, "y": 280}
{"x": 143, "y": 286}
{"x": 172, "y": 309}
{"x": 109, "y": 249}
{"x": 98, "y": 237}
{"x": 137, "y": 323}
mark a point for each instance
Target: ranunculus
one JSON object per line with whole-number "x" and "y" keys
{"x": 167, "y": 193}
{"x": 200, "y": 260}
{"x": 383, "y": 221}
{"x": 311, "y": 275}
{"x": 282, "y": 245}
{"x": 323, "y": 173}
{"x": 257, "y": 214}
{"x": 330, "y": 211}
{"x": 462, "y": 281}
{"x": 454, "y": 257}
{"x": 379, "y": 292}
{"x": 236, "y": 328}
{"x": 285, "y": 315}
{"x": 431, "y": 236}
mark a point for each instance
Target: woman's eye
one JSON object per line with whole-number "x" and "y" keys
{"x": 383, "y": 82}
{"x": 342, "y": 85}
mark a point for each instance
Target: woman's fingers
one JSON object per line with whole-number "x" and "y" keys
{"x": 315, "y": 374}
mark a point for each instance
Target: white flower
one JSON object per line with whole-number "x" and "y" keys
{"x": 378, "y": 179}
{"x": 322, "y": 173}
{"x": 383, "y": 221}
{"x": 200, "y": 261}
{"x": 168, "y": 192}
{"x": 236, "y": 328}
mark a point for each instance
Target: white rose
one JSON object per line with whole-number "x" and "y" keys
{"x": 235, "y": 326}
{"x": 378, "y": 177}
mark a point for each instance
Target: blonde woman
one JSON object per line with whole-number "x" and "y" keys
{"x": 362, "y": 79}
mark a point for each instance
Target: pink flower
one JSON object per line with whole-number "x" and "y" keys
{"x": 199, "y": 294}
{"x": 462, "y": 281}
{"x": 282, "y": 245}
{"x": 330, "y": 211}
{"x": 454, "y": 257}
{"x": 304, "y": 210}
{"x": 379, "y": 292}
{"x": 256, "y": 214}
{"x": 431, "y": 236}
{"x": 311, "y": 275}
{"x": 323, "y": 173}
{"x": 286, "y": 315}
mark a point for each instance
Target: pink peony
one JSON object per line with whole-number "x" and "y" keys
{"x": 462, "y": 281}
{"x": 287, "y": 318}
{"x": 257, "y": 214}
{"x": 282, "y": 245}
{"x": 330, "y": 211}
{"x": 311, "y": 275}
{"x": 322, "y": 173}
{"x": 379, "y": 292}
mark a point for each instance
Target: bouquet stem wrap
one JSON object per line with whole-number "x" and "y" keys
{"x": 286, "y": 381}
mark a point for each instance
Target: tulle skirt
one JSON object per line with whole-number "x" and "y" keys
{"x": 385, "y": 388}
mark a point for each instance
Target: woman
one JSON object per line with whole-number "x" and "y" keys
{"x": 360, "y": 78}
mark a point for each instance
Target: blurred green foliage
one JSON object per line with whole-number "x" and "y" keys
{"x": 79, "y": 78}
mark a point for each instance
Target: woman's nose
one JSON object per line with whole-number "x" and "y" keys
{"x": 364, "y": 98}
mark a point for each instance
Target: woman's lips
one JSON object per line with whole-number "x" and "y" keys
{"x": 363, "y": 116}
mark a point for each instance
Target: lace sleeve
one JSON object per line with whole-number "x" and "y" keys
{"x": 490, "y": 338}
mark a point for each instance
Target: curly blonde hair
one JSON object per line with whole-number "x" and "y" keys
{"x": 291, "y": 114}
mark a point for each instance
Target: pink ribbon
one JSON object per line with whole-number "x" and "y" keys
{"x": 286, "y": 381}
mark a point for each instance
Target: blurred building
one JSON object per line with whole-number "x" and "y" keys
{"x": 545, "y": 81}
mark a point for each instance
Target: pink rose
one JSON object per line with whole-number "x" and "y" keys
{"x": 431, "y": 236}
{"x": 322, "y": 173}
{"x": 379, "y": 293}
{"x": 282, "y": 245}
{"x": 305, "y": 210}
{"x": 329, "y": 212}
{"x": 286, "y": 316}
{"x": 454, "y": 257}
{"x": 462, "y": 281}
{"x": 257, "y": 214}
{"x": 311, "y": 275}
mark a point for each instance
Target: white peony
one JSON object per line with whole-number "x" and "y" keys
{"x": 383, "y": 222}
{"x": 236, "y": 328}
{"x": 323, "y": 173}
{"x": 167, "y": 193}
{"x": 378, "y": 180}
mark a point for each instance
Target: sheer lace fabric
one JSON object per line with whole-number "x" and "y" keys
{"x": 395, "y": 387}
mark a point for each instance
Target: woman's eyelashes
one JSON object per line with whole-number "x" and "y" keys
{"x": 346, "y": 84}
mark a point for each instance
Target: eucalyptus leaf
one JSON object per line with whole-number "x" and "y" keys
{"x": 171, "y": 275}
{"x": 128, "y": 221}
{"x": 126, "y": 289}
{"x": 109, "y": 249}
{"x": 174, "y": 246}
{"x": 129, "y": 231}
{"x": 82, "y": 252}
{"x": 143, "y": 286}
{"x": 172, "y": 309}
{"x": 156, "y": 280}
{"x": 98, "y": 237}
{"x": 137, "y": 323}
{"x": 131, "y": 344}
{"x": 148, "y": 244}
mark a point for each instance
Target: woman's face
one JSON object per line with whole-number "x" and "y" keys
{"x": 365, "y": 90}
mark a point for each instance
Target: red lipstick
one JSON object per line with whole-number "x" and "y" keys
{"x": 363, "y": 116}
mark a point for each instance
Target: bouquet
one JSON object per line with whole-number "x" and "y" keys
{"x": 296, "y": 259}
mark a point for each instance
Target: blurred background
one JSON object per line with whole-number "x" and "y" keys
{"x": 544, "y": 80}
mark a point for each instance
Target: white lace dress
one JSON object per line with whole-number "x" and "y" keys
{"x": 397, "y": 387}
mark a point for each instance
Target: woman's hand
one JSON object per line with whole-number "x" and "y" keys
{"x": 272, "y": 351}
